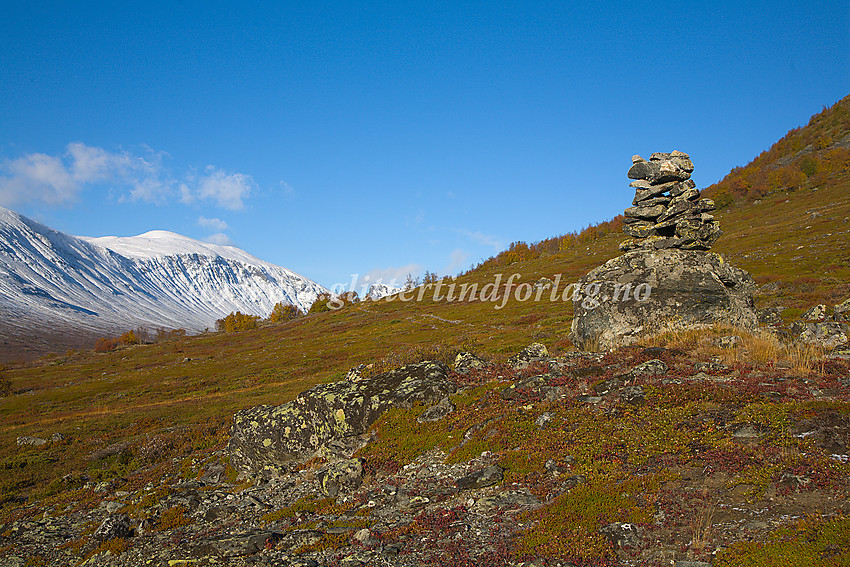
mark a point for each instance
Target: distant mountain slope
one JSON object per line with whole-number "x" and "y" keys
{"x": 810, "y": 156}
{"x": 64, "y": 290}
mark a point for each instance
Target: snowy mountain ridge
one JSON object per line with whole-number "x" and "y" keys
{"x": 52, "y": 283}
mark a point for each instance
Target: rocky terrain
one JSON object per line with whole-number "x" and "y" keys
{"x": 638, "y": 456}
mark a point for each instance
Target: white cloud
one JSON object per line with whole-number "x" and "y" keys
{"x": 90, "y": 164}
{"x": 214, "y": 223}
{"x": 59, "y": 180}
{"x": 219, "y": 238}
{"x": 227, "y": 190}
{"x": 37, "y": 177}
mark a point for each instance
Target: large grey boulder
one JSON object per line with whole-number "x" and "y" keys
{"x": 649, "y": 290}
{"x": 269, "y": 440}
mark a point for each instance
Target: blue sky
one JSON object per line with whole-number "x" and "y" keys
{"x": 336, "y": 138}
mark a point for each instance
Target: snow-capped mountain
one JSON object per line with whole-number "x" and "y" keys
{"x": 380, "y": 290}
{"x": 57, "y": 283}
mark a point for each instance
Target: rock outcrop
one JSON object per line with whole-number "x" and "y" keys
{"x": 681, "y": 288}
{"x": 268, "y": 440}
{"x": 818, "y": 328}
{"x": 667, "y": 211}
{"x": 667, "y": 278}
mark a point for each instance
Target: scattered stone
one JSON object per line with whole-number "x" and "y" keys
{"x": 633, "y": 394}
{"x": 558, "y": 468}
{"x": 437, "y": 412}
{"x": 345, "y": 474}
{"x": 728, "y": 341}
{"x": 465, "y": 362}
{"x": 545, "y": 419}
{"x": 364, "y": 536}
{"x": 355, "y": 374}
{"x": 770, "y": 316}
{"x": 112, "y": 507}
{"x": 488, "y": 476}
{"x": 622, "y": 535}
{"x": 746, "y": 434}
{"x": 572, "y": 481}
{"x": 710, "y": 367}
{"x": 34, "y": 441}
{"x": 513, "y": 391}
{"x": 604, "y": 387}
{"x": 114, "y": 526}
{"x": 826, "y": 334}
{"x": 507, "y": 499}
{"x": 589, "y": 399}
{"x": 685, "y": 563}
{"x": 841, "y": 351}
{"x": 816, "y": 313}
{"x": 841, "y": 312}
{"x": 532, "y": 353}
{"x": 794, "y": 481}
{"x": 649, "y": 368}
{"x": 247, "y": 543}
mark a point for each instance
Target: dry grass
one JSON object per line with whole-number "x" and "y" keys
{"x": 758, "y": 347}
{"x": 704, "y": 524}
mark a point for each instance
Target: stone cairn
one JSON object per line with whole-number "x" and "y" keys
{"x": 667, "y": 211}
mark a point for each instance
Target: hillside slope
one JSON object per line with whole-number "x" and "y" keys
{"x": 729, "y": 440}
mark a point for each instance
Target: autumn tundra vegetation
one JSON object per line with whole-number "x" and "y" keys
{"x": 690, "y": 447}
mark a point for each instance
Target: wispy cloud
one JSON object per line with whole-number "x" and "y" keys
{"x": 219, "y": 238}
{"x": 457, "y": 259}
{"x": 287, "y": 190}
{"x": 214, "y": 223}
{"x": 59, "y": 180}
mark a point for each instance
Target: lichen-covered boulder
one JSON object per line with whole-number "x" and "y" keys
{"x": 268, "y": 440}
{"x": 649, "y": 290}
{"x": 532, "y": 353}
{"x": 827, "y": 334}
{"x": 466, "y": 362}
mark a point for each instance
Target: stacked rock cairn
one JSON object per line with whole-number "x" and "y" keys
{"x": 667, "y": 211}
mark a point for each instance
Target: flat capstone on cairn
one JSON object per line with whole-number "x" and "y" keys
{"x": 668, "y": 211}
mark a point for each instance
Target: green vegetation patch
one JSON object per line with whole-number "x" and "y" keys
{"x": 811, "y": 541}
{"x": 569, "y": 526}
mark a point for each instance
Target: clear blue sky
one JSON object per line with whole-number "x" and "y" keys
{"x": 336, "y": 138}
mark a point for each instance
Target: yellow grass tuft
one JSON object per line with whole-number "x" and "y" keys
{"x": 757, "y": 346}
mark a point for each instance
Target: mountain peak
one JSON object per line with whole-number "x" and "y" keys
{"x": 57, "y": 285}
